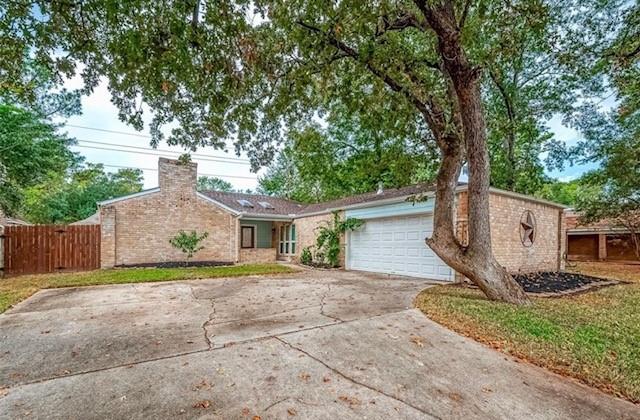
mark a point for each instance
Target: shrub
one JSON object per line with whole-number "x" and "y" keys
{"x": 305, "y": 256}
{"x": 328, "y": 239}
{"x": 189, "y": 243}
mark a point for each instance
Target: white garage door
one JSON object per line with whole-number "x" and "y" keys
{"x": 396, "y": 245}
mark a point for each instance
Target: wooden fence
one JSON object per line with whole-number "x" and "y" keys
{"x": 50, "y": 248}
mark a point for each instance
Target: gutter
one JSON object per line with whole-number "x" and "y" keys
{"x": 267, "y": 217}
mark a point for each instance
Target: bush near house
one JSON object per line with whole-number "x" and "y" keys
{"x": 592, "y": 336}
{"x": 188, "y": 243}
{"x": 328, "y": 240}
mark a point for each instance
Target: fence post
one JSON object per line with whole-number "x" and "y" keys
{"x": 1, "y": 251}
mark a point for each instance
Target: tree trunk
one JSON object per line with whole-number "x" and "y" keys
{"x": 475, "y": 261}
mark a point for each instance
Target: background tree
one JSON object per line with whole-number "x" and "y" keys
{"x": 31, "y": 151}
{"x": 563, "y": 192}
{"x": 65, "y": 199}
{"x": 207, "y": 183}
{"x": 323, "y": 164}
{"x": 612, "y": 138}
{"x": 216, "y": 72}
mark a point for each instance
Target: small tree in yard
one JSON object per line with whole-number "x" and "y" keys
{"x": 189, "y": 243}
{"x": 328, "y": 239}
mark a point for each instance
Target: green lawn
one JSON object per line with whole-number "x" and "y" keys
{"x": 594, "y": 337}
{"x": 15, "y": 289}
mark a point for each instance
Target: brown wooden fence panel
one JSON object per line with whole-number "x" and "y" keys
{"x": 49, "y": 248}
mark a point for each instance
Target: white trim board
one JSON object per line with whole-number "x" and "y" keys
{"x": 130, "y": 196}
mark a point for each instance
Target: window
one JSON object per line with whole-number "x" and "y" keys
{"x": 265, "y": 205}
{"x": 245, "y": 203}
{"x": 287, "y": 240}
{"x": 247, "y": 236}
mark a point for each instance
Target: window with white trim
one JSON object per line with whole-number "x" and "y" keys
{"x": 287, "y": 240}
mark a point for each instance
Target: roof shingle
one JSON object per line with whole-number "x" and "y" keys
{"x": 284, "y": 207}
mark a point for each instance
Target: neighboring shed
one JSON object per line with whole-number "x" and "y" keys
{"x": 600, "y": 241}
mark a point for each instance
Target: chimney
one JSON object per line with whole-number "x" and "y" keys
{"x": 380, "y": 188}
{"x": 175, "y": 177}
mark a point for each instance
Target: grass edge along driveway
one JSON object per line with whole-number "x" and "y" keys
{"x": 592, "y": 337}
{"x": 16, "y": 289}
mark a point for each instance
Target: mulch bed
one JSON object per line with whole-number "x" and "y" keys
{"x": 559, "y": 283}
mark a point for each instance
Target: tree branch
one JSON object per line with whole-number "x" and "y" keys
{"x": 392, "y": 83}
{"x": 404, "y": 21}
{"x": 465, "y": 13}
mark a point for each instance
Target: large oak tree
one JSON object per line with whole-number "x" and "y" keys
{"x": 253, "y": 70}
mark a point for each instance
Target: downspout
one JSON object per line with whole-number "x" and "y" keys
{"x": 237, "y": 240}
{"x": 562, "y": 239}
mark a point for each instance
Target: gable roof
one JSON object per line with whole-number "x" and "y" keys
{"x": 284, "y": 207}
{"x": 281, "y": 206}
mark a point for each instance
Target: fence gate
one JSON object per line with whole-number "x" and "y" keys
{"x": 50, "y": 248}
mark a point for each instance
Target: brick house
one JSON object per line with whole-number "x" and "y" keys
{"x": 601, "y": 241}
{"x": 527, "y": 233}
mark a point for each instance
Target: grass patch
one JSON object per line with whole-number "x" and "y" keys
{"x": 592, "y": 336}
{"x": 15, "y": 289}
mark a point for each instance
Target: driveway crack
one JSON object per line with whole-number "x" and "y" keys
{"x": 353, "y": 380}
{"x": 206, "y": 323}
{"x": 322, "y": 303}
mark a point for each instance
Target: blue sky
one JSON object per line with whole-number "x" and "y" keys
{"x": 99, "y": 113}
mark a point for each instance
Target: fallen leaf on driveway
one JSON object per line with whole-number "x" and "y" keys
{"x": 417, "y": 340}
{"x": 486, "y": 389}
{"x": 349, "y": 400}
{"x": 291, "y": 411}
{"x": 3, "y": 391}
{"x": 305, "y": 376}
{"x": 455, "y": 396}
{"x": 256, "y": 417}
{"x": 202, "y": 404}
{"x": 202, "y": 385}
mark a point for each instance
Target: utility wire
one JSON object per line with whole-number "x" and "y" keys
{"x": 196, "y": 157}
{"x": 141, "y": 136}
{"x": 124, "y": 133}
{"x": 156, "y": 170}
{"x": 161, "y": 150}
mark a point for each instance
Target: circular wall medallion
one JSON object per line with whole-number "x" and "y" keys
{"x": 527, "y": 228}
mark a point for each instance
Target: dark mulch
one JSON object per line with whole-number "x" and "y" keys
{"x": 555, "y": 282}
{"x": 177, "y": 264}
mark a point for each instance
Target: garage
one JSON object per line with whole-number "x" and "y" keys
{"x": 395, "y": 245}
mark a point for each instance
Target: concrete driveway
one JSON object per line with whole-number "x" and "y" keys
{"x": 308, "y": 345}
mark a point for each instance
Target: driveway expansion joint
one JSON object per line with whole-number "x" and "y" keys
{"x": 355, "y": 381}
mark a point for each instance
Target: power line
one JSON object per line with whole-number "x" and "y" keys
{"x": 141, "y": 136}
{"x": 124, "y": 133}
{"x": 156, "y": 170}
{"x": 149, "y": 152}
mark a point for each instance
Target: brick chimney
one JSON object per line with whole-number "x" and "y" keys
{"x": 177, "y": 178}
